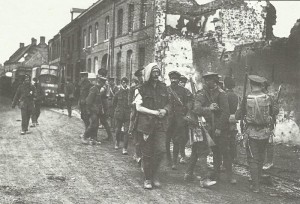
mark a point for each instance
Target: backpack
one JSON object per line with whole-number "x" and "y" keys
{"x": 258, "y": 109}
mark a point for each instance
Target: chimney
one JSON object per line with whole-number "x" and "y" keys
{"x": 21, "y": 45}
{"x": 42, "y": 40}
{"x": 33, "y": 41}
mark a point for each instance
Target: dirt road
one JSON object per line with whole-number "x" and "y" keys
{"x": 50, "y": 165}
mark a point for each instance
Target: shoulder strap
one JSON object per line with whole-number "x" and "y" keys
{"x": 175, "y": 95}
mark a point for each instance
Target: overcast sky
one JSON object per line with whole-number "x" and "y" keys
{"x": 23, "y": 19}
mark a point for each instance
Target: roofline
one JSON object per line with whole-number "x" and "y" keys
{"x": 82, "y": 14}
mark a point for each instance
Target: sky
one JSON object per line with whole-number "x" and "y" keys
{"x": 23, "y": 19}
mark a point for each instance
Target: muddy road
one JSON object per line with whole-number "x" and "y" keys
{"x": 50, "y": 165}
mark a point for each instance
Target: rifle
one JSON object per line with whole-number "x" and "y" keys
{"x": 279, "y": 93}
{"x": 210, "y": 141}
{"x": 243, "y": 105}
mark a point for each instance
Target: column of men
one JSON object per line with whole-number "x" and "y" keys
{"x": 156, "y": 114}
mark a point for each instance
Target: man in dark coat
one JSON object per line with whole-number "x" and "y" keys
{"x": 112, "y": 89}
{"x": 177, "y": 125}
{"x": 37, "y": 101}
{"x": 216, "y": 114}
{"x": 94, "y": 109}
{"x": 69, "y": 96}
{"x": 233, "y": 101}
{"x": 152, "y": 104}
{"x": 24, "y": 97}
{"x": 122, "y": 114}
{"x": 85, "y": 86}
{"x": 104, "y": 115}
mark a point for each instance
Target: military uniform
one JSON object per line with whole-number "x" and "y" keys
{"x": 177, "y": 125}
{"x": 258, "y": 129}
{"x": 24, "y": 97}
{"x": 218, "y": 124}
{"x": 122, "y": 115}
{"x": 37, "y": 100}
{"x": 200, "y": 147}
{"x": 85, "y": 86}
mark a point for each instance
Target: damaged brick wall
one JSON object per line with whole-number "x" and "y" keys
{"x": 227, "y": 39}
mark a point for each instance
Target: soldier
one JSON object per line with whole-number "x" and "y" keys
{"x": 24, "y": 97}
{"x": 122, "y": 114}
{"x": 200, "y": 140}
{"x": 177, "y": 125}
{"x": 152, "y": 104}
{"x": 233, "y": 101}
{"x": 133, "y": 116}
{"x": 94, "y": 109}
{"x": 258, "y": 110}
{"x": 103, "y": 115}
{"x": 37, "y": 100}
{"x": 269, "y": 158}
{"x": 216, "y": 111}
{"x": 182, "y": 82}
{"x": 112, "y": 89}
{"x": 69, "y": 96}
{"x": 85, "y": 86}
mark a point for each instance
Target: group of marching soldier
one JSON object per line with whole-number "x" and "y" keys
{"x": 156, "y": 115}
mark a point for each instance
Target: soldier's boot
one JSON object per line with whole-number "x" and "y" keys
{"x": 175, "y": 155}
{"x": 254, "y": 185}
{"x": 148, "y": 171}
{"x": 157, "y": 161}
{"x": 148, "y": 184}
{"x": 207, "y": 183}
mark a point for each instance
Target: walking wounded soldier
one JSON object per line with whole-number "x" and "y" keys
{"x": 24, "y": 98}
{"x": 152, "y": 104}
{"x": 259, "y": 108}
